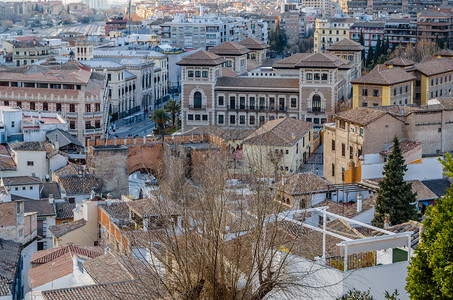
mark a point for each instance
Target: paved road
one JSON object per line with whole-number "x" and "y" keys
{"x": 315, "y": 162}
{"x": 140, "y": 128}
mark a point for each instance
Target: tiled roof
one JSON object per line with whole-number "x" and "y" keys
{"x": 435, "y": 66}
{"x": 9, "y": 258}
{"x": 227, "y": 72}
{"x": 279, "y": 132}
{"x": 229, "y": 48}
{"x": 20, "y": 180}
{"x": 349, "y": 210}
{"x": 151, "y": 207}
{"x": 121, "y": 290}
{"x": 64, "y": 210}
{"x": 227, "y": 134}
{"x": 117, "y": 210}
{"x": 290, "y": 62}
{"x": 54, "y": 263}
{"x": 28, "y": 146}
{"x": 422, "y": 191}
{"x": 50, "y": 188}
{"x": 361, "y": 115}
{"x": 445, "y": 53}
{"x": 79, "y": 184}
{"x": 108, "y": 268}
{"x": 400, "y": 62}
{"x": 253, "y": 82}
{"x": 42, "y": 207}
{"x": 438, "y": 186}
{"x": 69, "y": 169}
{"x": 405, "y": 145}
{"x": 201, "y": 58}
{"x": 63, "y": 138}
{"x": 253, "y": 44}
{"x": 414, "y": 226}
{"x": 6, "y": 160}
{"x": 62, "y": 229}
{"x": 388, "y": 76}
{"x": 323, "y": 60}
{"x": 303, "y": 183}
{"x": 345, "y": 45}
{"x": 4, "y": 288}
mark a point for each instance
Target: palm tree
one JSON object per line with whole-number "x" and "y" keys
{"x": 161, "y": 117}
{"x": 173, "y": 107}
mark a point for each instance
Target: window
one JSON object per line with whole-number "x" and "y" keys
{"x": 32, "y": 105}
{"x": 343, "y": 149}
{"x": 19, "y": 104}
{"x": 12, "y": 124}
{"x": 97, "y": 124}
{"x": 221, "y": 119}
{"x": 333, "y": 169}
{"x": 232, "y": 119}
{"x": 317, "y": 76}
{"x": 351, "y": 152}
{"x": 97, "y": 107}
{"x": 333, "y": 145}
{"x": 262, "y": 102}
{"x": 242, "y": 120}
{"x": 58, "y": 106}
{"x": 190, "y": 117}
{"x": 71, "y": 107}
{"x": 262, "y": 120}
{"x": 242, "y": 102}
{"x": 197, "y": 73}
{"x": 364, "y": 92}
{"x": 190, "y": 74}
{"x": 221, "y": 101}
{"x": 197, "y": 100}
{"x": 252, "y": 103}
{"x": 361, "y": 132}
{"x": 204, "y": 117}
{"x": 375, "y": 93}
{"x": 87, "y": 124}
{"x": 232, "y": 102}
{"x": 342, "y": 174}
{"x": 324, "y": 76}
{"x": 252, "y": 120}
{"x": 87, "y": 107}
{"x": 197, "y": 117}
{"x": 30, "y": 163}
{"x": 401, "y": 90}
{"x": 316, "y": 103}
{"x": 72, "y": 125}
{"x": 394, "y": 92}
{"x": 309, "y": 76}
{"x": 293, "y": 102}
{"x": 281, "y": 104}
{"x": 205, "y": 74}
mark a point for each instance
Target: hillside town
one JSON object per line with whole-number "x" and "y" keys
{"x": 291, "y": 149}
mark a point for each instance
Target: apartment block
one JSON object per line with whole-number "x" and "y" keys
{"x": 329, "y": 31}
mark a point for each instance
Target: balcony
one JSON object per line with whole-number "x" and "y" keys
{"x": 197, "y": 107}
{"x": 316, "y": 110}
{"x": 93, "y": 131}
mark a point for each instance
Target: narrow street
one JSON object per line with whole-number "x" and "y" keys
{"x": 315, "y": 163}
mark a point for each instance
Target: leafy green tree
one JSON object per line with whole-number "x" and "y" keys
{"x": 430, "y": 274}
{"x": 161, "y": 117}
{"x": 395, "y": 196}
{"x": 354, "y": 294}
{"x": 278, "y": 39}
{"x": 174, "y": 108}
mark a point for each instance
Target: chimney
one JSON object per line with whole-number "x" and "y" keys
{"x": 359, "y": 202}
{"x": 51, "y": 198}
{"x": 109, "y": 199}
{"x": 387, "y": 222}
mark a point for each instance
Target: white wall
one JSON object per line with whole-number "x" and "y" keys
{"x": 39, "y": 160}
{"x": 27, "y": 253}
{"x": 31, "y": 190}
{"x": 57, "y": 162}
{"x": 429, "y": 168}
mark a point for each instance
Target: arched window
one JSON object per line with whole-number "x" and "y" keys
{"x": 197, "y": 100}
{"x": 316, "y": 103}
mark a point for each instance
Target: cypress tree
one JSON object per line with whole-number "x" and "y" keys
{"x": 378, "y": 50}
{"x": 369, "y": 57}
{"x": 395, "y": 196}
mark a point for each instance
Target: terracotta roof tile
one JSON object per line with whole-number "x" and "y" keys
{"x": 361, "y": 115}
{"x": 388, "y": 76}
{"x": 253, "y": 44}
{"x": 445, "y": 53}
{"x": 323, "y": 60}
{"x": 10, "y": 252}
{"x": 435, "y": 66}
{"x": 116, "y": 210}
{"x": 20, "y": 180}
{"x": 79, "y": 184}
{"x": 108, "y": 268}
{"x": 201, "y": 58}
{"x": 64, "y": 210}
{"x": 400, "y": 62}
{"x": 279, "y": 132}
{"x": 62, "y": 229}
{"x": 42, "y": 207}
{"x": 229, "y": 48}
{"x": 345, "y": 45}
{"x": 349, "y": 210}
{"x": 303, "y": 183}
{"x": 290, "y": 62}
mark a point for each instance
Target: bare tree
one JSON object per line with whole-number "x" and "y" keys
{"x": 205, "y": 240}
